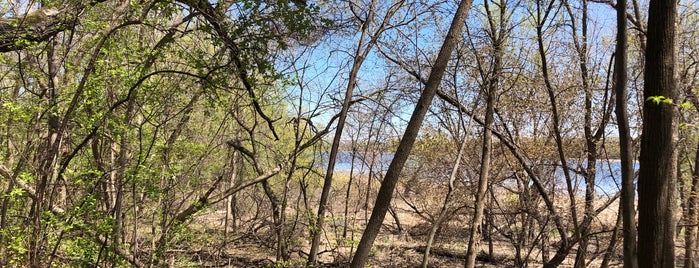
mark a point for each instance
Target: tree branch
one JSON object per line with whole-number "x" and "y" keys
{"x": 37, "y": 26}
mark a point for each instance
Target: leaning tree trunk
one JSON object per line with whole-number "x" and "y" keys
{"x": 658, "y": 173}
{"x": 385, "y": 194}
{"x": 363, "y": 48}
{"x": 542, "y": 14}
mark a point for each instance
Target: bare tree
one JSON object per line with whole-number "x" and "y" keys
{"x": 447, "y": 198}
{"x": 388, "y": 184}
{"x": 367, "y": 40}
{"x": 497, "y": 31}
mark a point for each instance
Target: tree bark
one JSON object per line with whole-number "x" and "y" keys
{"x": 486, "y": 148}
{"x": 658, "y": 172}
{"x": 385, "y": 194}
{"x": 627, "y": 202}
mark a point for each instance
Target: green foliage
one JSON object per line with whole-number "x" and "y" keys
{"x": 16, "y": 111}
{"x": 687, "y": 105}
{"x": 16, "y": 247}
{"x": 348, "y": 242}
{"x": 83, "y": 249}
{"x": 147, "y": 124}
{"x": 294, "y": 263}
{"x": 659, "y": 100}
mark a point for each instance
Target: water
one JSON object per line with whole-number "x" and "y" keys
{"x": 607, "y": 179}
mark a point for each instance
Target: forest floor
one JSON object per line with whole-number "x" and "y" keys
{"x": 391, "y": 248}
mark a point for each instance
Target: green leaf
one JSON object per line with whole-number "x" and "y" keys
{"x": 686, "y": 105}
{"x": 655, "y": 99}
{"x": 659, "y": 99}
{"x": 16, "y": 192}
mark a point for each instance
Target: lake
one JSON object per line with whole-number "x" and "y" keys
{"x": 608, "y": 178}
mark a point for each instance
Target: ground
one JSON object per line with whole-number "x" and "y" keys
{"x": 391, "y": 248}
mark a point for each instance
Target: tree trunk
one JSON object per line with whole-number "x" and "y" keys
{"x": 542, "y": 14}
{"x": 658, "y": 173}
{"x": 385, "y": 194}
{"x": 231, "y": 201}
{"x": 627, "y": 202}
{"x": 612, "y": 242}
{"x": 474, "y": 233}
{"x": 690, "y": 237}
{"x": 363, "y": 49}
{"x": 486, "y": 148}
{"x": 590, "y": 144}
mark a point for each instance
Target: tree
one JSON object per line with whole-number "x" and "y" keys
{"x": 366, "y": 43}
{"x": 447, "y": 198}
{"x": 104, "y": 154}
{"x": 628, "y": 200}
{"x": 182, "y": 132}
{"x": 498, "y": 32}
{"x": 658, "y": 158}
{"x": 388, "y": 184}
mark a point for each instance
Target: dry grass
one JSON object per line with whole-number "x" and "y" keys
{"x": 391, "y": 249}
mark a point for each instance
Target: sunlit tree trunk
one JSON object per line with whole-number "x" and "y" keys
{"x": 484, "y": 172}
{"x": 231, "y": 222}
{"x": 385, "y": 195}
{"x": 47, "y": 159}
{"x": 366, "y": 43}
{"x": 590, "y": 138}
{"x": 543, "y": 12}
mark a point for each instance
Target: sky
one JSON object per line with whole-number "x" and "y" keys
{"x": 326, "y": 66}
